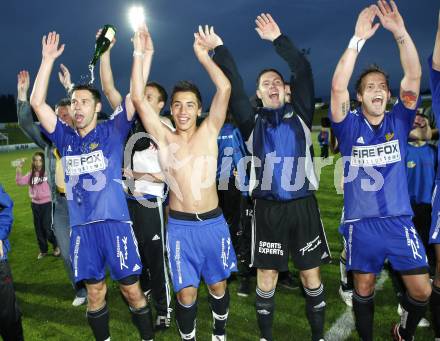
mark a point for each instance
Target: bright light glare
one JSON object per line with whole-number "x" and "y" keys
{"x": 136, "y": 17}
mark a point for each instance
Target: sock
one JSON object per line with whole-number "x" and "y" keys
{"x": 186, "y": 320}
{"x": 98, "y": 321}
{"x": 413, "y": 311}
{"x": 220, "y": 309}
{"x": 363, "y": 308}
{"x": 315, "y": 311}
{"x": 265, "y": 306}
{"x": 435, "y": 310}
{"x": 143, "y": 320}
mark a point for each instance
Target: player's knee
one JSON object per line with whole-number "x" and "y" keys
{"x": 187, "y": 296}
{"x": 310, "y": 278}
{"x": 218, "y": 289}
{"x": 96, "y": 296}
{"x": 421, "y": 293}
{"x": 267, "y": 279}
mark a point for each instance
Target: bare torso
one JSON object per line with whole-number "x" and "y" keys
{"x": 190, "y": 166}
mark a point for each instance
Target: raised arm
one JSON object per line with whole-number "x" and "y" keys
{"x": 436, "y": 53}
{"x": 65, "y": 79}
{"x": 391, "y": 19}
{"x": 143, "y": 51}
{"x": 50, "y": 52}
{"x": 340, "y": 97}
{"x": 105, "y": 72}
{"x": 24, "y": 111}
{"x": 240, "y": 105}
{"x": 202, "y": 41}
{"x": 301, "y": 77}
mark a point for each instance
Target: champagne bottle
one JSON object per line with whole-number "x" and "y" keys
{"x": 103, "y": 42}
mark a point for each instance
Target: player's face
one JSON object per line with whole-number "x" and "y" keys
{"x": 375, "y": 94}
{"x": 85, "y": 109}
{"x": 153, "y": 97}
{"x": 185, "y": 109}
{"x": 65, "y": 114}
{"x": 271, "y": 90}
{"x": 38, "y": 162}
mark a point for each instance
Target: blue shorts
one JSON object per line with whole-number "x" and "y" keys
{"x": 370, "y": 241}
{"x": 106, "y": 243}
{"x": 199, "y": 248}
{"x": 434, "y": 232}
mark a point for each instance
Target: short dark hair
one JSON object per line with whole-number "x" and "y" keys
{"x": 265, "y": 71}
{"x": 64, "y": 102}
{"x": 374, "y": 68}
{"x": 186, "y": 86}
{"x": 95, "y": 93}
{"x": 163, "y": 96}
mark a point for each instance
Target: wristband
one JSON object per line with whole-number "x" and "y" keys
{"x": 138, "y": 54}
{"x": 356, "y": 43}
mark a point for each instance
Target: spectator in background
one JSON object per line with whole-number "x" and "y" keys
{"x": 10, "y": 314}
{"x": 39, "y": 192}
{"x": 323, "y": 138}
{"x": 54, "y": 168}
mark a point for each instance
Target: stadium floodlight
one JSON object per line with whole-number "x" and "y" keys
{"x": 136, "y": 17}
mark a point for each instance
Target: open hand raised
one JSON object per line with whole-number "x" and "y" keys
{"x": 50, "y": 46}
{"x": 365, "y": 28}
{"x": 267, "y": 28}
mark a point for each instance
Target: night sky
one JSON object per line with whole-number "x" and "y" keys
{"x": 324, "y": 26}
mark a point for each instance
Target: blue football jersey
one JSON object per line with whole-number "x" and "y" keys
{"x": 92, "y": 168}
{"x": 434, "y": 77}
{"x": 282, "y": 144}
{"x": 420, "y": 171}
{"x": 374, "y": 163}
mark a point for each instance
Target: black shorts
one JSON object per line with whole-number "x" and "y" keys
{"x": 294, "y": 227}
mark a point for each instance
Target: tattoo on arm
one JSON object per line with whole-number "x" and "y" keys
{"x": 345, "y": 107}
{"x": 400, "y": 40}
{"x": 409, "y": 98}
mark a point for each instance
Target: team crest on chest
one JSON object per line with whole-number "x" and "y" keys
{"x": 389, "y": 136}
{"x": 93, "y": 145}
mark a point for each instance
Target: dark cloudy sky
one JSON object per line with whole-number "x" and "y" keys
{"x": 324, "y": 26}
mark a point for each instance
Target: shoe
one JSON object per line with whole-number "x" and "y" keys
{"x": 57, "y": 252}
{"x": 162, "y": 322}
{"x": 41, "y": 255}
{"x": 218, "y": 338}
{"x": 395, "y": 332}
{"x": 346, "y": 296}
{"x": 79, "y": 301}
{"x": 243, "y": 288}
{"x": 289, "y": 281}
{"x": 423, "y": 323}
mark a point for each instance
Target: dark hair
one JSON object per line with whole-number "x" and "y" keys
{"x": 163, "y": 96}
{"x": 374, "y": 68}
{"x": 64, "y": 102}
{"x": 268, "y": 70}
{"x": 186, "y": 86}
{"x": 95, "y": 93}
{"x": 41, "y": 174}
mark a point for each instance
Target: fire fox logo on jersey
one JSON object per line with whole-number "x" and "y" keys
{"x": 85, "y": 163}
{"x": 376, "y": 155}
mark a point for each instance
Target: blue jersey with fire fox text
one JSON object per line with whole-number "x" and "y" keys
{"x": 92, "y": 169}
{"x": 374, "y": 163}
